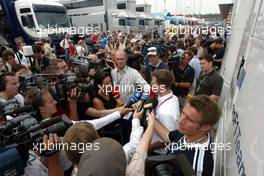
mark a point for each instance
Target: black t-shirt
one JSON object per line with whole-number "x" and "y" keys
{"x": 199, "y": 155}
{"x": 219, "y": 54}
{"x": 209, "y": 84}
{"x": 186, "y": 75}
{"x": 108, "y": 104}
{"x": 81, "y": 110}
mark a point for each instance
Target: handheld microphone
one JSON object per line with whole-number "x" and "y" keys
{"x": 150, "y": 104}
{"x": 115, "y": 92}
{"x": 133, "y": 99}
{"x": 144, "y": 98}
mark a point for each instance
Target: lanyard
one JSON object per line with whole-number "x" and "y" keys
{"x": 163, "y": 102}
{"x": 121, "y": 77}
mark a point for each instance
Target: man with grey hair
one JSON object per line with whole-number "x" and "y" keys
{"x": 127, "y": 79}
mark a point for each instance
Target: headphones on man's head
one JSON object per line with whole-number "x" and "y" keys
{"x": 2, "y": 81}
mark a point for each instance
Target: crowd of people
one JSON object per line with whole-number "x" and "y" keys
{"x": 181, "y": 71}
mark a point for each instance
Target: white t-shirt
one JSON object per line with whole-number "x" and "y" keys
{"x": 167, "y": 113}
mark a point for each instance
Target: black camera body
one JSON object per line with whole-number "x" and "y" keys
{"x": 19, "y": 135}
{"x": 168, "y": 165}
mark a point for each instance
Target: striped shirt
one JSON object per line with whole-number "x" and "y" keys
{"x": 129, "y": 81}
{"x": 199, "y": 155}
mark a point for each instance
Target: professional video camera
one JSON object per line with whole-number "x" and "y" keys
{"x": 35, "y": 80}
{"x": 168, "y": 165}
{"x": 82, "y": 66}
{"x": 21, "y": 134}
{"x": 66, "y": 82}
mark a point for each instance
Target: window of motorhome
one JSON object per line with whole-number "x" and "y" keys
{"x": 122, "y": 22}
{"x": 121, "y": 6}
{"x": 51, "y": 16}
{"x": 82, "y": 4}
{"x": 141, "y": 22}
{"x": 173, "y": 22}
{"x": 4, "y": 27}
{"x": 157, "y": 23}
{"x": 131, "y": 22}
{"x": 140, "y": 9}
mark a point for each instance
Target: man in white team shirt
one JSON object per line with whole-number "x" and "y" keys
{"x": 167, "y": 110}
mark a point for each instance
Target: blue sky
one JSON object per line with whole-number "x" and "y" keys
{"x": 186, "y": 6}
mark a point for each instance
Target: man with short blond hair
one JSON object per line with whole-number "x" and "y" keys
{"x": 192, "y": 137}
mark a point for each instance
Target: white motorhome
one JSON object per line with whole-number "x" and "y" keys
{"x": 32, "y": 19}
{"x": 103, "y": 15}
{"x": 242, "y": 96}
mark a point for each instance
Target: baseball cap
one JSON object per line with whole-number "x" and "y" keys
{"x": 135, "y": 40}
{"x": 152, "y": 51}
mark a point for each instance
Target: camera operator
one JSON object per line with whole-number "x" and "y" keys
{"x": 45, "y": 106}
{"x": 61, "y": 64}
{"x": 192, "y": 137}
{"x": 9, "y": 85}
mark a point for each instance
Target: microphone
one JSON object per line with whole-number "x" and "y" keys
{"x": 115, "y": 92}
{"x": 150, "y": 104}
{"x": 133, "y": 99}
{"x": 144, "y": 98}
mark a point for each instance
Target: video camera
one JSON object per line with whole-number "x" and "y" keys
{"x": 19, "y": 135}
{"x": 168, "y": 165}
{"x": 36, "y": 80}
{"x": 82, "y": 66}
{"x": 66, "y": 82}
